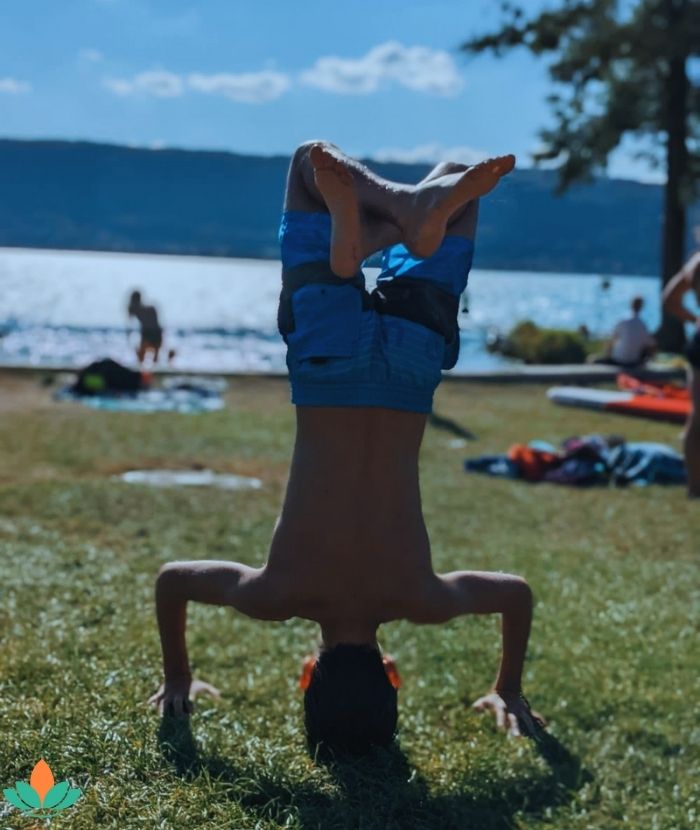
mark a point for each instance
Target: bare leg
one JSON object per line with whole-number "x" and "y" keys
{"x": 422, "y": 211}
{"x": 321, "y": 176}
{"x": 463, "y": 222}
{"x": 356, "y": 233}
{"x": 336, "y": 185}
{"x": 691, "y": 439}
{"x": 385, "y": 198}
{"x": 380, "y": 233}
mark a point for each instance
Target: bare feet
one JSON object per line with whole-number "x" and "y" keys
{"x": 436, "y": 200}
{"x": 336, "y": 184}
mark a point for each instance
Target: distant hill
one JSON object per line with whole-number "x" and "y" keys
{"x": 79, "y": 195}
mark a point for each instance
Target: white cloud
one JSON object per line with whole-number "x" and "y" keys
{"x": 91, "y": 55}
{"x": 159, "y": 83}
{"x": 246, "y": 87}
{"x": 430, "y": 154}
{"x": 430, "y": 71}
{"x": 14, "y": 87}
{"x": 433, "y": 72}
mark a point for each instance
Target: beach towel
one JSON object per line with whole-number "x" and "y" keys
{"x": 586, "y": 460}
{"x": 184, "y": 401}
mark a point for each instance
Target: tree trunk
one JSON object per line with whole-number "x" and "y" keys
{"x": 671, "y": 335}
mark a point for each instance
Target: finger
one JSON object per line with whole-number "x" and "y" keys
{"x": 212, "y": 690}
{"x": 501, "y": 717}
{"x": 513, "y": 726}
{"x": 206, "y": 689}
{"x": 480, "y": 705}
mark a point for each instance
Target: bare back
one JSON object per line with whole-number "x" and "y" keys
{"x": 351, "y": 540}
{"x": 351, "y": 531}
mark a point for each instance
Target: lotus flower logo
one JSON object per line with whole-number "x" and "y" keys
{"x": 42, "y": 797}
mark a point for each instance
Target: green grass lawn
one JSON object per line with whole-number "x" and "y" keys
{"x": 614, "y": 662}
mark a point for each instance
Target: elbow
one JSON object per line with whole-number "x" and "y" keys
{"x": 169, "y": 580}
{"x": 522, "y": 593}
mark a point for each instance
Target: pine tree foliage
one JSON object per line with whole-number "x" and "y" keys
{"x": 611, "y": 69}
{"x": 619, "y": 68}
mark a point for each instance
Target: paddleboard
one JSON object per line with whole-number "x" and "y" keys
{"x": 659, "y": 408}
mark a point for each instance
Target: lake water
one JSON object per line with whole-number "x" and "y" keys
{"x": 220, "y": 314}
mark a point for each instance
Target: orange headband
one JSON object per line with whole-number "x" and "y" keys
{"x": 307, "y": 671}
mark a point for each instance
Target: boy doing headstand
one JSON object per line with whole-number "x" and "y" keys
{"x": 350, "y": 549}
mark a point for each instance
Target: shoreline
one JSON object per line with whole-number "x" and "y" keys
{"x": 214, "y": 257}
{"x": 567, "y": 373}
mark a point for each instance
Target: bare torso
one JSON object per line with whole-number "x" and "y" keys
{"x": 351, "y": 539}
{"x": 147, "y": 317}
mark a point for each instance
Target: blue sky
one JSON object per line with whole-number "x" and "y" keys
{"x": 381, "y": 78}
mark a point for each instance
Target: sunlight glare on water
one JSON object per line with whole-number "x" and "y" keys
{"x": 66, "y": 307}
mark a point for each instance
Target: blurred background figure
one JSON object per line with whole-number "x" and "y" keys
{"x": 687, "y": 282}
{"x": 151, "y": 329}
{"x": 631, "y": 342}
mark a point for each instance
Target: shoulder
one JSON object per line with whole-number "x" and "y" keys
{"x": 691, "y": 266}
{"x": 694, "y": 269}
{"x": 682, "y": 281}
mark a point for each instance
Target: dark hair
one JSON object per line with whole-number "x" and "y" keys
{"x": 350, "y": 705}
{"x": 637, "y": 303}
{"x": 134, "y": 299}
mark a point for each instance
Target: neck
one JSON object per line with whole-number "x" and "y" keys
{"x": 350, "y": 633}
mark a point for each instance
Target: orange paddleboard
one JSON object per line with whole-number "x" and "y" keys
{"x": 655, "y": 390}
{"x": 646, "y": 406}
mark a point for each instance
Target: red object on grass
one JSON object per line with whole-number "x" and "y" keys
{"x": 675, "y": 410}
{"x": 652, "y": 389}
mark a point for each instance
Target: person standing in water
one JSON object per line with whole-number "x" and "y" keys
{"x": 687, "y": 281}
{"x": 350, "y": 549}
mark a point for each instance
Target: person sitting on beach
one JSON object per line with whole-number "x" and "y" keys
{"x": 631, "y": 343}
{"x": 687, "y": 281}
{"x": 151, "y": 330}
{"x": 350, "y": 549}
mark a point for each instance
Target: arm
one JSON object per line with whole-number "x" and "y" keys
{"x": 475, "y": 592}
{"x": 674, "y": 293}
{"x": 614, "y": 337}
{"x": 652, "y": 346}
{"x": 213, "y": 583}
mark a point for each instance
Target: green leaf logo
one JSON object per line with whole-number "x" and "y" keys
{"x": 42, "y": 797}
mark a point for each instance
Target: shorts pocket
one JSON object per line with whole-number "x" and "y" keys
{"x": 326, "y": 321}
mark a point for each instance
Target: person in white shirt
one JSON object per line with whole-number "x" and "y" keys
{"x": 631, "y": 342}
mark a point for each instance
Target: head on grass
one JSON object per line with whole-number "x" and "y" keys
{"x": 350, "y": 704}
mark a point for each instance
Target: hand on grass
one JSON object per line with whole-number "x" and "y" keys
{"x": 512, "y": 712}
{"x": 177, "y": 695}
